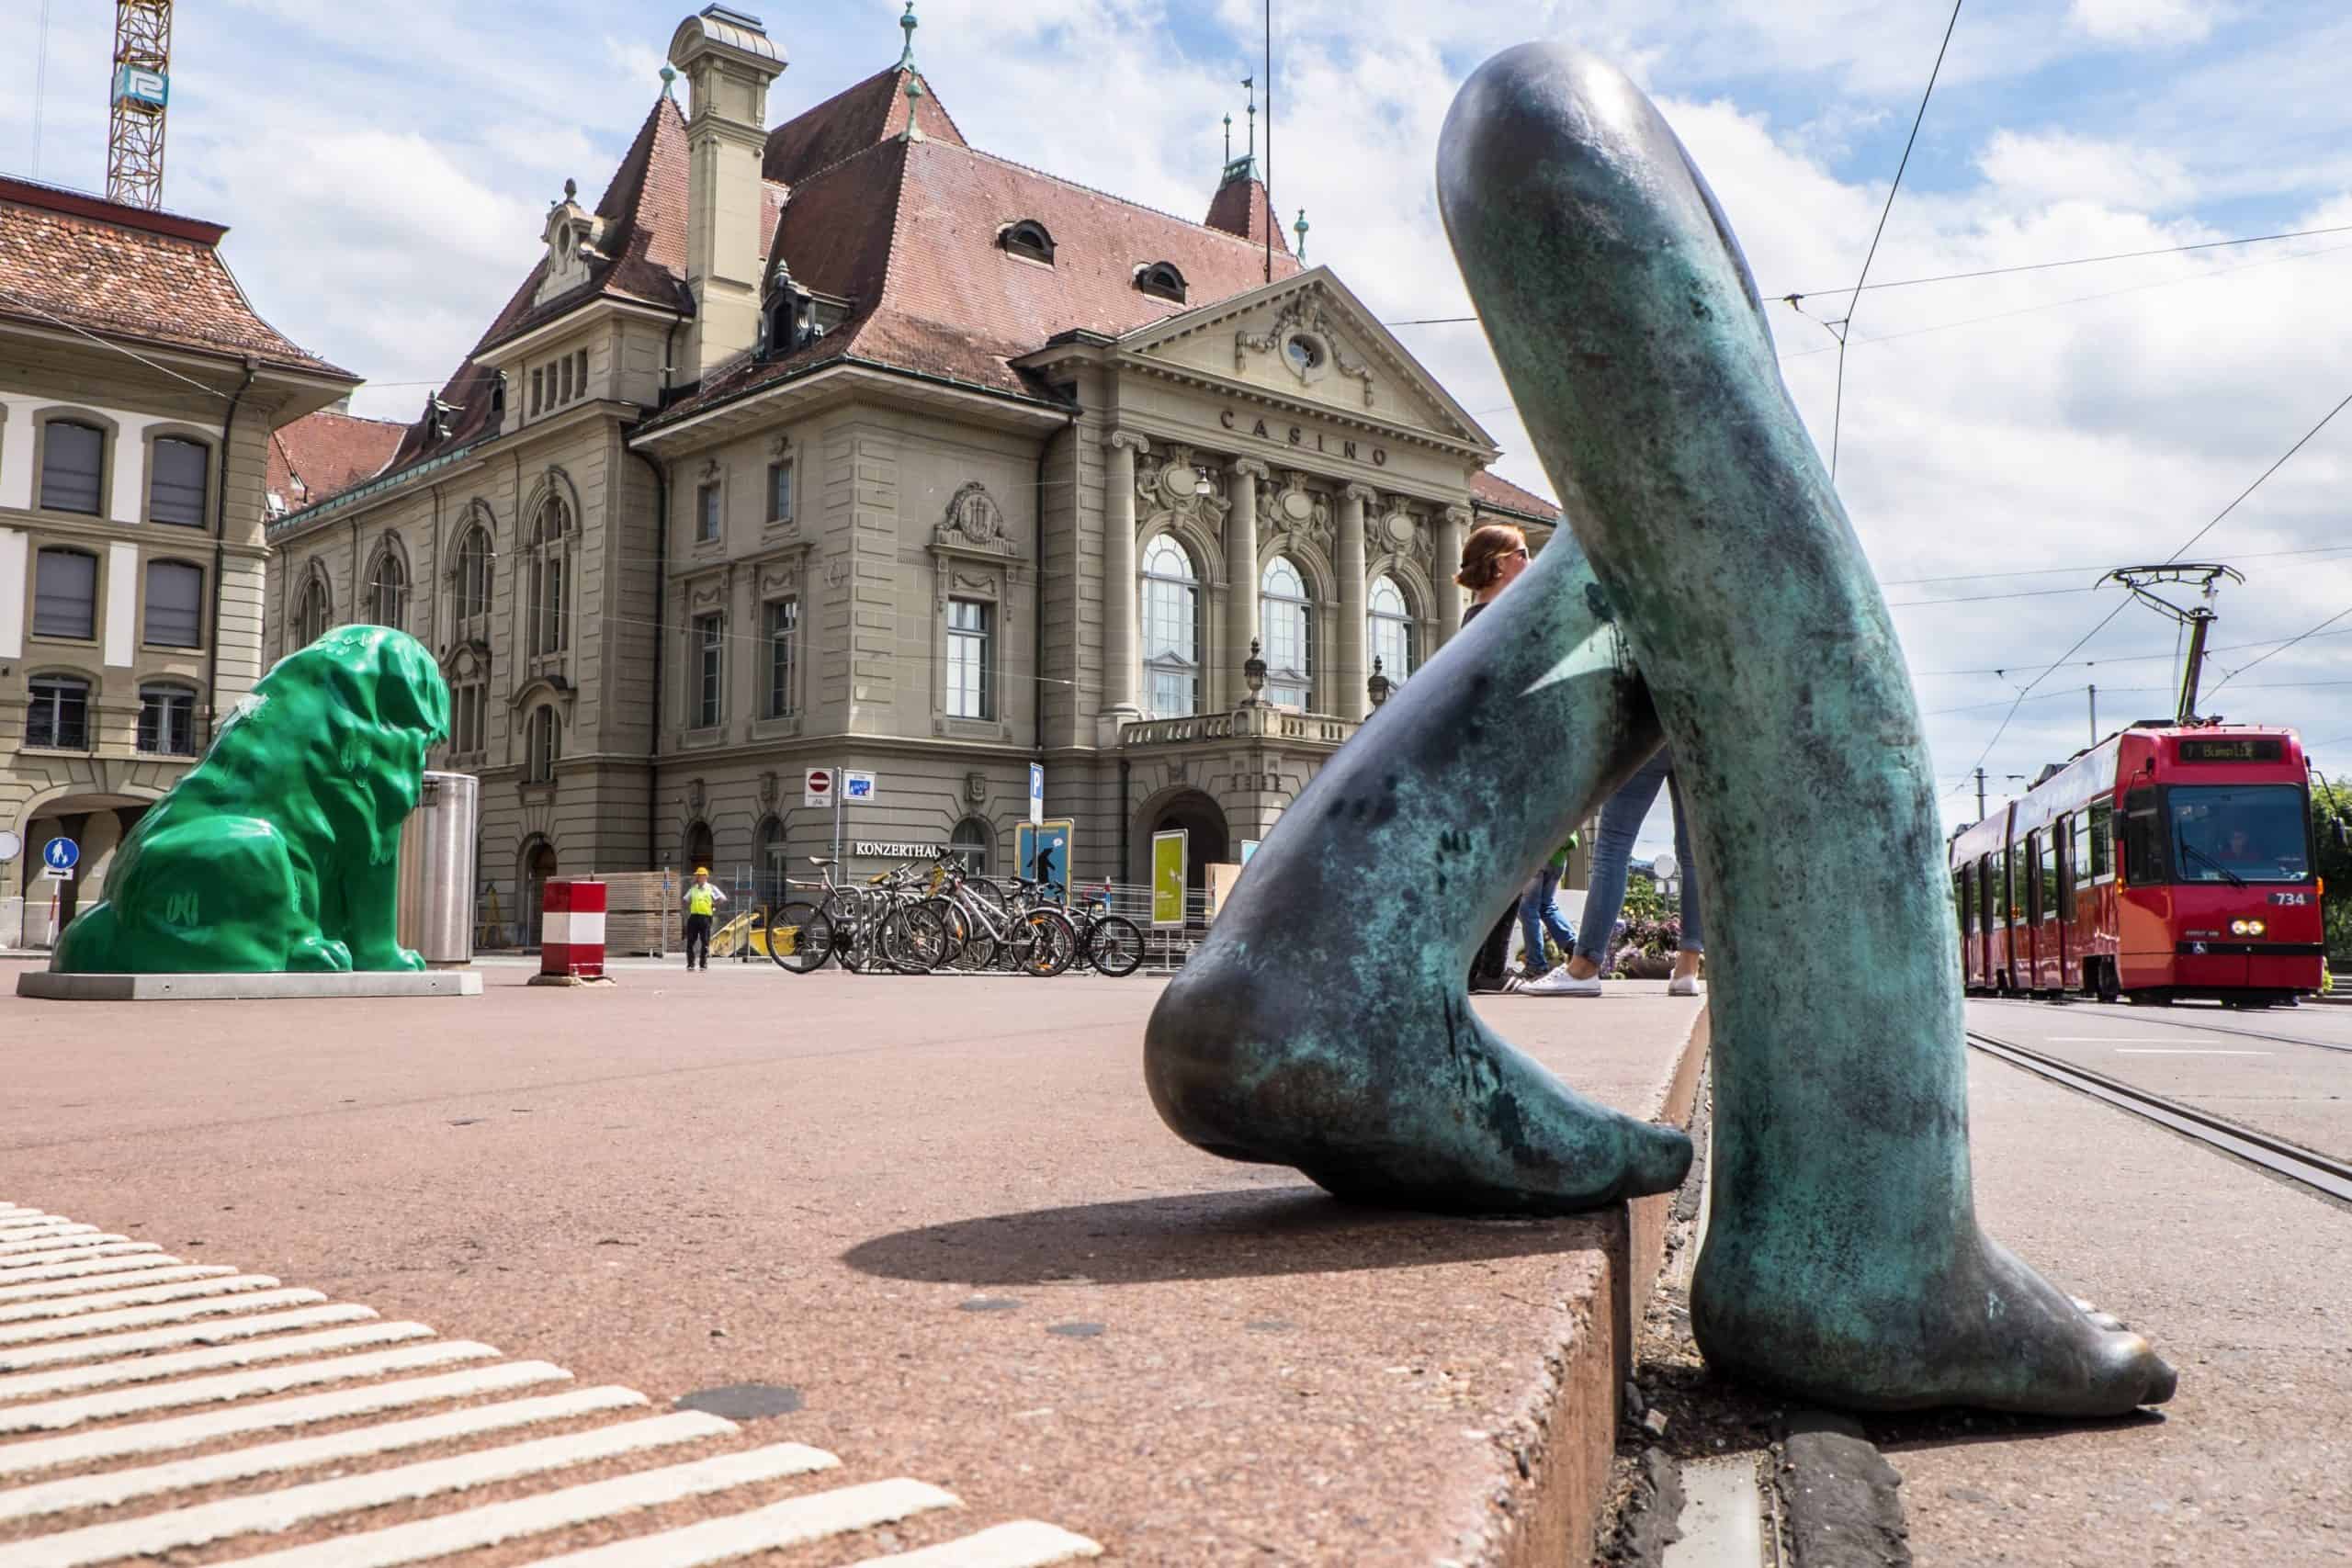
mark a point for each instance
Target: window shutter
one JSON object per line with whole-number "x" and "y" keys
{"x": 176, "y": 488}
{"x": 65, "y": 595}
{"x": 175, "y": 605}
{"x": 72, "y": 459}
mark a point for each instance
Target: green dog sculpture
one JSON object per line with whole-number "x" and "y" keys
{"x": 279, "y": 849}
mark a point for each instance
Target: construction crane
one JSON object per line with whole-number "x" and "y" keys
{"x": 142, "y": 87}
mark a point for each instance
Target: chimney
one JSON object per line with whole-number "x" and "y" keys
{"x": 727, "y": 60}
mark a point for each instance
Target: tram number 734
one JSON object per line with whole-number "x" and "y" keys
{"x": 2164, "y": 863}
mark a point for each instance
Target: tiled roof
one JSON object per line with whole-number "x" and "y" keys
{"x": 321, "y": 453}
{"x": 1244, "y": 207}
{"x": 848, "y": 122}
{"x": 1486, "y": 489}
{"x": 127, "y": 272}
{"x": 908, "y": 231}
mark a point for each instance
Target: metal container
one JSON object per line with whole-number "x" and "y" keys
{"x": 436, "y": 870}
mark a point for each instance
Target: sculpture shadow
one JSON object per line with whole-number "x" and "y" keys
{"x": 1242, "y": 1233}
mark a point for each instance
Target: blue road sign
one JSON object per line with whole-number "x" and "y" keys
{"x": 61, "y": 854}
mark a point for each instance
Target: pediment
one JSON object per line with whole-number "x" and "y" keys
{"x": 1308, "y": 339}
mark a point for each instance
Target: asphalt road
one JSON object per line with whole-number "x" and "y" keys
{"x": 2285, "y": 1071}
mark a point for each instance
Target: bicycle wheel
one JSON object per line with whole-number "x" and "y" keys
{"x": 1115, "y": 945}
{"x": 957, "y": 926}
{"x": 976, "y": 946}
{"x": 991, "y": 891}
{"x": 1053, "y": 944}
{"x": 912, "y": 940}
{"x": 800, "y": 938}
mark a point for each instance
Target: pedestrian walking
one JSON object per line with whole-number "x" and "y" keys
{"x": 1612, "y": 855}
{"x": 1539, "y": 917}
{"x": 701, "y": 900}
{"x": 1492, "y": 559}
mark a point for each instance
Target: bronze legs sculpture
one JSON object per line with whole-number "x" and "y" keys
{"x": 1843, "y": 1261}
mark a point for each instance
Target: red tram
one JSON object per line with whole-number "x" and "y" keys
{"x": 2165, "y": 862}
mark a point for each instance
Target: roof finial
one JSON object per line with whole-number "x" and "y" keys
{"x": 908, "y": 23}
{"x": 914, "y": 91}
{"x": 1250, "y": 83}
{"x": 1300, "y": 228}
{"x": 1228, "y": 139}
{"x": 669, "y": 75}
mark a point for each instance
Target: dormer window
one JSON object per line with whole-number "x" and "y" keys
{"x": 787, "y": 315}
{"x": 1028, "y": 239}
{"x": 1163, "y": 279}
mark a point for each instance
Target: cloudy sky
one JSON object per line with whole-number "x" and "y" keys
{"x": 2003, "y": 440}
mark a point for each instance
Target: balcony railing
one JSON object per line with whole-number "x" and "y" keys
{"x": 1241, "y": 724}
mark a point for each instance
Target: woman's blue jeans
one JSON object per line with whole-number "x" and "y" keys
{"x": 1539, "y": 917}
{"x": 1612, "y": 854}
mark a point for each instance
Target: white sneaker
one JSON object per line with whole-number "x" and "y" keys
{"x": 1560, "y": 983}
{"x": 1683, "y": 986}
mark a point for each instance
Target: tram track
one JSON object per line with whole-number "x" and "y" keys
{"x": 2306, "y": 1167}
{"x": 2138, "y": 1016}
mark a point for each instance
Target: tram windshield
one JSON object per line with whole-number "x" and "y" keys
{"x": 2239, "y": 833}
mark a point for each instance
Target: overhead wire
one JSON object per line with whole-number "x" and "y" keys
{"x": 2001, "y": 271}
{"x": 1838, "y": 401}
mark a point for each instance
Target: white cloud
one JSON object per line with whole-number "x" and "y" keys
{"x": 2059, "y": 166}
{"x": 2144, "y": 21}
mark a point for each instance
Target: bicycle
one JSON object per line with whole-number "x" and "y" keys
{"x": 1112, "y": 944}
{"x": 856, "y": 925}
{"x": 990, "y": 930}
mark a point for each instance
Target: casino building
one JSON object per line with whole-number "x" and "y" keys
{"x": 842, "y": 443}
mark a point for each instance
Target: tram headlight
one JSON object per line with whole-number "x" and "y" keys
{"x": 2248, "y": 928}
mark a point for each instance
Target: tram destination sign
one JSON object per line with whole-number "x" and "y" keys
{"x": 2246, "y": 750}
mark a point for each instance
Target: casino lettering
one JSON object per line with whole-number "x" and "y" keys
{"x": 1299, "y": 436}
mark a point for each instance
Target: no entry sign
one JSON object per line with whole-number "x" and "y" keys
{"x": 817, "y": 788}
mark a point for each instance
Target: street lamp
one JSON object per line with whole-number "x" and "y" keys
{"x": 1380, "y": 685}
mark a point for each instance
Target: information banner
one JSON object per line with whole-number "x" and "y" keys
{"x": 1041, "y": 853}
{"x": 1167, "y": 868}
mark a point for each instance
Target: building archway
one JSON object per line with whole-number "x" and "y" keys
{"x": 538, "y": 868}
{"x": 1203, "y": 820}
{"x": 700, "y": 847}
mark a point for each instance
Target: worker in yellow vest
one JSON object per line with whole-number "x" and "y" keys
{"x": 702, "y": 901}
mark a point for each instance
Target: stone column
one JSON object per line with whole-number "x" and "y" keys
{"x": 1352, "y": 666}
{"x": 1242, "y": 575}
{"x": 1453, "y": 527}
{"x": 1122, "y": 658}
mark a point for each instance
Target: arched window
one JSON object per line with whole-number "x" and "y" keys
{"x": 57, "y": 716}
{"x": 317, "y": 611}
{"x": 1171, "y": 629}
{"x": 473, "y": 576}
{"x": 1028, "y": 239}
{"x": 700, "y": 846}
{"x": 388, "y": 588}
{"x": 971, "y": 842}
{"x": 168, "y": 720}
{"x": 549, "y": 630}
{"x": 468, "y": 704}
{"x": 546, "y": 744}
{"x": 1163, "y": 279}
{"x": 1286, "y": 621}
{"x": 1393, "y": 633}
{"x": 769, "y": 843}
{"x": 538, "y": 870}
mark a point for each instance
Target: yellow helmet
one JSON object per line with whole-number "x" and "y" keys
{"x": 702, "y": 871}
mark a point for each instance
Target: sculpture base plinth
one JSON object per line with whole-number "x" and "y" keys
{"x": 54, "y": 987}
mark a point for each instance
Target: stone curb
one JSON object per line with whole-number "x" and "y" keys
{"x": 52, "y": 986}
{"x": 1551, "y": 1485}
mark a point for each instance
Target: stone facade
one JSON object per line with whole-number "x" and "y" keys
{"x": 816, "y": 541}
{"x": 130, "y": 613}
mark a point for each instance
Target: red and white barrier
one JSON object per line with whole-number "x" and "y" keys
{"x": 572, "y": 933}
